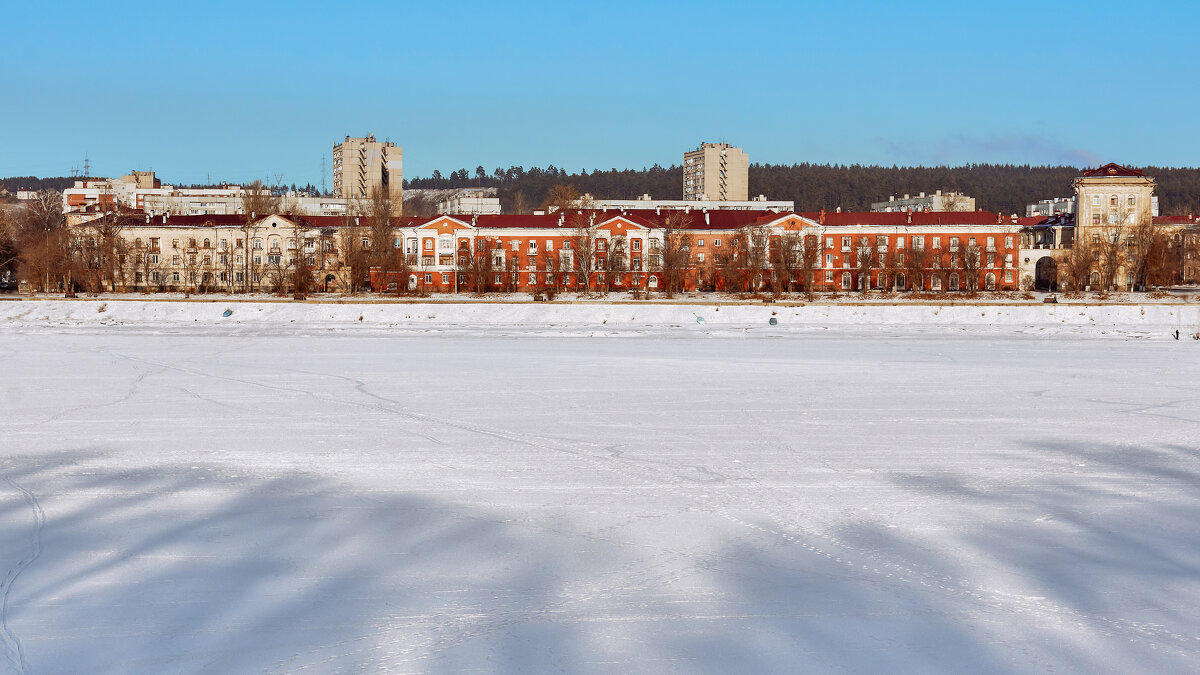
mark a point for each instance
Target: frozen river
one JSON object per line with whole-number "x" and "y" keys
{"x": 488, "y": 501}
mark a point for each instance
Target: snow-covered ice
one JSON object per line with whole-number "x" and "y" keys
{"x": 597, "y": 489}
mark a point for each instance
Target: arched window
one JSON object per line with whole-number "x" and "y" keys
{"x": 1094, "y": 279}
{"x": 954, "y": 281}
{"x": 989, "y": 281}
{"x": 653, "y": 281}
{"x": 846, "y": 280}
{"x": 207, "y": 243}
{"x": 900, "y": 281}
{"x": 936, "y": 283}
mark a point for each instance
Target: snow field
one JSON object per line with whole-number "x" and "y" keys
{"x": 270, "y": 496}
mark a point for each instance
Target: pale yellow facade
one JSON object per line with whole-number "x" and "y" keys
{"x": 360, "y": 165}
{"x": 716, "y": 172}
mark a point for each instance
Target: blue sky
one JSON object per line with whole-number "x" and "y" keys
{"x": 238, "y": 91}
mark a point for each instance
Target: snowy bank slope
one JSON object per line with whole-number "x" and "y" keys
{"x": 1155, "y": 320}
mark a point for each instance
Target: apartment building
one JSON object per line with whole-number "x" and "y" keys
{"x": 360, "y": 165}
{"x": 716, "y": 172}
{"x": 728, "y": 250}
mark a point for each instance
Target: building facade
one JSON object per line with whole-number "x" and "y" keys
{"x": 938, "y": 201}
{"x": 759, "y": 203}
{"x": 361, "y": 165}
{"x": 716, "y": 172}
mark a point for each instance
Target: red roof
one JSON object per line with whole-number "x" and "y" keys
{"x": 1111, "y": 169}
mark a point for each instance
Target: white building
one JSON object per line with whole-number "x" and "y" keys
{"x": 938, "y": 201}
{"x": 759, "y": 203}
{"x": 470, "y": 203}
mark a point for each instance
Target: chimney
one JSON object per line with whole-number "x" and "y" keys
{"x": 561, "y": 217}
{"x": 706, "y": 220}
{"x": 839, "y": 209}
{"x": 909, "y": 217}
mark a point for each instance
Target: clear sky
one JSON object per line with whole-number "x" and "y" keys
{"x": 246, "y": 90}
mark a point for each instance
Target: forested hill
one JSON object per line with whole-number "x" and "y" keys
{"x": 15, "y": 183}
{"x": 1002, "y": 188}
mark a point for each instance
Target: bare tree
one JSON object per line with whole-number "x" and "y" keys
{"x": 381, "y": 235}
{"x": 787, "y": 259}
{"x": 972, "y": 262}
{"x": 671, "y": 257}
{"x": 757, "y": 253}
{"x": 1079, "y": 263}
{"x": 583, "y": 248}
{"x": 561, "y": 197}
{"x": 810, "y": 264}
{"x": 916, "y": 261}
{"x": 866, "y": 259}
{"x": 42, "y": 241}
{"x": 616, "y": 261}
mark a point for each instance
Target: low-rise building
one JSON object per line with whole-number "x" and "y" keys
{"x": 646, "y": 202}
{"x": 938, "y": 201}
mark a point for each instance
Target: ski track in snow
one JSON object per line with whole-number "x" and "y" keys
{"x": 14, "y": 651}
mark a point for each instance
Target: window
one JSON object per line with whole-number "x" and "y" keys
{"x": 699, "y": 242}
{"x": 1095, "y": 218}
{"x": 175, "y": 276}
{"x": 445, "y": 278}
{"x": 549, "y": 244}
{"x": 953, "y": 243}
{"x": 918, "y": 242}
{"x": 1095, "y": 237}
{"x": 429, "y": 277}
{"x": 446, "y": 244}
{"x": 174, "y": 243}
{"x": 829, "y": 260}
{"x": 899, "y": 242}
{"x": 699, "y": 257}
{"x": 154, "y": 259}
{"x": 1095, "y": 200}
{"x": 716, "y": 241}
{"x": 1008, "y": 276}
{"x": 1008, "y": 242}
{"x": 989, "y": 282}
{"x": 566, "y": 245}
{"x": 174, "y": 260}
{"x": 991, "y": 243}
{"x": 637, "y": 244}
{"x": 398, "y": 242}
{"x": 829, "y": 243}
{"x": 532, "y": 246}
{"x": 846, "y": 243}
{"x": 1132, "y": 200}
{"x": 496, "y": 279}
{"x": 829, "y": 276}
{"x": 428, "y": 245}
{"x": 1112, "y": 200}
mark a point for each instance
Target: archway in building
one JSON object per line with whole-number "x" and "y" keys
{"x": 1045, "y": 275}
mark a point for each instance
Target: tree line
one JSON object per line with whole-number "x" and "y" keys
{"x": 1002, "y": 188}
